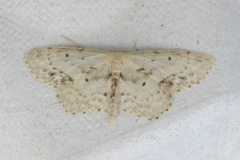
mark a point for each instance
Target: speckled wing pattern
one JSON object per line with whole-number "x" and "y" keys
{"x": 157, "y": 75}
{"x": 137, "y": 82}
{"x": 78, "y": 76}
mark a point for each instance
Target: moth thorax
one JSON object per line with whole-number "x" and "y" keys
{"x": 116, "y": 65}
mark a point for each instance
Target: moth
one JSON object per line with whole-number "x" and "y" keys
{"x": 141, "y": 82}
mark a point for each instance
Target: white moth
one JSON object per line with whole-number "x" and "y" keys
{"x": 139, "y": 82}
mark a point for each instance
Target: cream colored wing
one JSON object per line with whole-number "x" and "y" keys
{"x": 79, "y": 76}
{"x": 142, "y": 95}
{"x": 178, "y": 69}
{"x": 150, "y": 78}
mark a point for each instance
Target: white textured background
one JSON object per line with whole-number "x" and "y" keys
{"x": 204, "y": 122}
